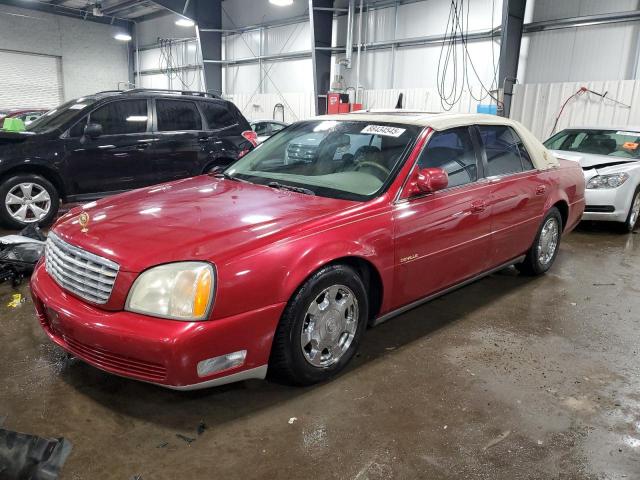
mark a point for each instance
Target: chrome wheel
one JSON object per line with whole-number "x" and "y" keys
{"x": 329, "y": 326}
{"x": 548, "y": 241}
{"x": 28, "y": 202}
{"x": 635, "y": 211}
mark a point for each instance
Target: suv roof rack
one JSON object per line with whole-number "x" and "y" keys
{"x": 192, "y": 93}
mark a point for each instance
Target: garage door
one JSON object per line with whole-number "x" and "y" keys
{"x": 29, "y": 81}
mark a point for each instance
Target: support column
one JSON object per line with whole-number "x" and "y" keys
{"x": 512, "y": 22}
{"x": 321, "y": 21}
{"x": 208, "y": 17}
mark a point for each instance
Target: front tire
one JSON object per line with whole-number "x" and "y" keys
{"x": 28, "y": 199}
{"x": 545, "y": 247}
{"x": 634, "y": 212}
{"x": 321, "y": 327}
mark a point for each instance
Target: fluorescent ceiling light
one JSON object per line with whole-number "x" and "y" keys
{"x": 185, "y": 22}
{"x": 281, "y": 3}
{"x": 123, "y": 37}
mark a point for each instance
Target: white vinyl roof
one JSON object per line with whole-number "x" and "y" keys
{"x": 542, "y": 158}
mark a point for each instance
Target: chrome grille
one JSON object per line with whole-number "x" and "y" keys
{"x": 87, "y": 275}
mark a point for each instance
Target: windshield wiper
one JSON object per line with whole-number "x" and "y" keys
{"x": 291, "y": 188}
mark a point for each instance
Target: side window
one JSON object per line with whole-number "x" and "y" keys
{"x": 527, "y": 163}
{"x": 503, "y": 153}
{"x": 261, "y": 128}
{"x": 177, "y": 115}
{"x": 452, "y": 150}
{"x": 276, "y": 127}
{"x": 78, "y": 129}
{"x": 218, "y": 115}
{"x": 121, "y": 117}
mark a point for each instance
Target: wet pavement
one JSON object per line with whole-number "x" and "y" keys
{"x": 508, "y": 378}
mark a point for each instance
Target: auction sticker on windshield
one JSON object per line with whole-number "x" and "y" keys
{"x": 383, "y": 130}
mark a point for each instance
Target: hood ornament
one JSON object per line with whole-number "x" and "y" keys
{"x": 83, "y": 219}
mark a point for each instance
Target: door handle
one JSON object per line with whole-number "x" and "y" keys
{"x": 478, "y": 206}
{"x": 540, "y": 190}
{"x": 204, "y": 139}
{"x": 142, "y": 146}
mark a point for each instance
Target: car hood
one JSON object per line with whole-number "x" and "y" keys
{"x": 202, "y": 218}
{"x": 591, "y": 160}
{"x": 7, "y": 137}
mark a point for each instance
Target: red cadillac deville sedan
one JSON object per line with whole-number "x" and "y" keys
{"x": 279, "y": 263}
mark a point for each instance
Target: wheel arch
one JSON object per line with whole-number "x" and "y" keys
{"x": 368, "y": 271}
{"x": 43, "y": 171}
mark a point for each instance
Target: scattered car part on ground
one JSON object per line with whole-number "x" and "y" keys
{"x": 278, "y": 266}
{"x": 19, "y": 254}
{"x": 112, "y": 142}
{"x": 610, "y": 159}
{"x": 32, "y": 457}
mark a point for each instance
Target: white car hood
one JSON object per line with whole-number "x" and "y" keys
{"x": 591, "y": 160}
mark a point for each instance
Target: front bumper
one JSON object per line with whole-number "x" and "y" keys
{"x": 164, "y": 352}
{"x": 618, "y": 198}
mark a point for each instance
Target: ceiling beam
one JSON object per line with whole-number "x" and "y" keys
{"x": 77, "y": 13}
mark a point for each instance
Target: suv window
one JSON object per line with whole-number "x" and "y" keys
{"x": 121, "y": 117}
{"x": 217, "y": 115}
{"x": 452, "y": 150}
{"x": 506, "y": 153}
{"x": 177, "y": 115}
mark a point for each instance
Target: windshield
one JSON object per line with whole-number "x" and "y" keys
{"x": 613, "y": 143}
{"x": 59, "y": 116}
{"x": 353, "y": 160}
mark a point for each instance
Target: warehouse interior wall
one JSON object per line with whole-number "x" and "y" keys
{"x": 84, "y": 49}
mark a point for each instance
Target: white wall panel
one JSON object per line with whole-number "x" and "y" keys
{"x": 297, "y": 106}
{"x": 553, "y": 9}
{"x": 288, "y": 38}
{"x": 92, "y": 60}
{"x": 423, "y": 99}
{"x": 30, "y": 81}
{"x": 537, "y": 105}
{"x": 599, "y": 52}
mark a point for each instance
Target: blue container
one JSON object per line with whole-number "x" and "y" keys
{"x": 490, "y": 109}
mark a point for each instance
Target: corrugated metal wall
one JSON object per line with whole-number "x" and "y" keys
{"x": 537, "y": 105}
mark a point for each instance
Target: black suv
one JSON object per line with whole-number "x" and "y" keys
{"x": 111, "y": 142}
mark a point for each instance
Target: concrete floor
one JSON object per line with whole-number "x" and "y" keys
{"x": 508, "y": 378}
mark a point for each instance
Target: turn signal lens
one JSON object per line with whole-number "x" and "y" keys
{"x": 203, "y": 293}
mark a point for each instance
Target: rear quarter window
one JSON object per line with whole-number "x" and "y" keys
{"x": 218, "y": 115}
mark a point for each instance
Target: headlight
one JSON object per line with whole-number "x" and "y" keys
{"x": 179, "y": 291}
{"x": 608, "y": 181}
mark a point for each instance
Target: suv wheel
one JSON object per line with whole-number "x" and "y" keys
{"x": 28, "y": 199}
{"x": 321, "y": 327}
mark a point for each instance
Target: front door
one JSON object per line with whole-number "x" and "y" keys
{"x": 116, "y": 160}
{"x": 442, "y": 238}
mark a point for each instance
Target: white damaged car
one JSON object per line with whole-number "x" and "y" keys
{"x": 610, "y": 159}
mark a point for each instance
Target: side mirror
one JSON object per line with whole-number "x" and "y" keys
{"x": 429, "y": 180}
{"x": 93, "y": 130}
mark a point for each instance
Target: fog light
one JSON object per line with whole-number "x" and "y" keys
{"x": 223, "y": 362}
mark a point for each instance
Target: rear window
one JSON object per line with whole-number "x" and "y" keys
{"x": 174, "y": 115}
{"x": 217, "y": 115}
{"x": 506, "y": 154}
{"x": 613, "y": 143}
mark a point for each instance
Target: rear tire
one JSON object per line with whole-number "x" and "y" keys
{"x": 545, "y": 247}
{"x": 321, "y": 327}
{"x": 28, "y": 199}
{"x": 634, "y": 212}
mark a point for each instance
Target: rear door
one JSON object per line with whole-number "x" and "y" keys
{"x": 442, "y": 238}
{"x": 119, "y": 158}
{"x": 225, "y": 127}
{"x": 518, "y": 192}
{"x": 181, "y": 149}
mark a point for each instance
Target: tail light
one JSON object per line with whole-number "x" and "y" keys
{"x": 251, "y": 136}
